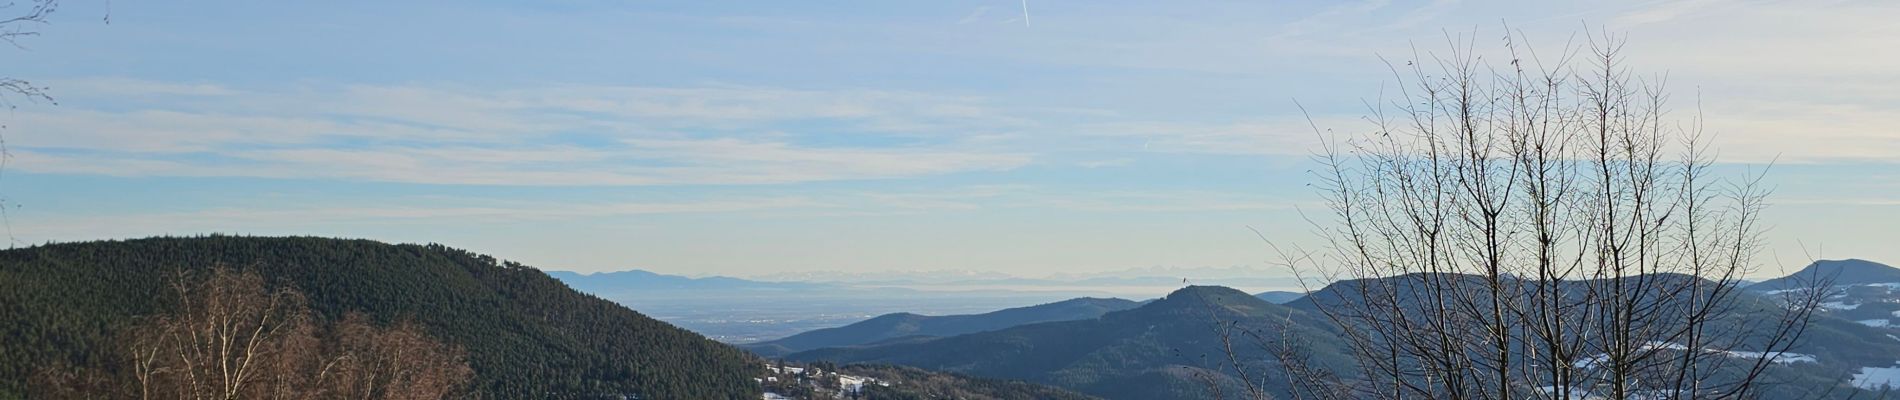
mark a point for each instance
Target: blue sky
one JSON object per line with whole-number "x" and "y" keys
{"x": 769, "y": 138}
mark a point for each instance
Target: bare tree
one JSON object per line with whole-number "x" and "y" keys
{"x": 227, "y": 336}
{"x": 1537, "y": 227}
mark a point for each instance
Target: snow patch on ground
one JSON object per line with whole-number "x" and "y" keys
{"x": 1664, "y": 345}
{"x": 1575, "y": 393}
{"x": 1873, "y": 378}
{"x": 1592, "y": 361}
{"x": 1777, "y": 357}
{"x": 1835, "y": 305}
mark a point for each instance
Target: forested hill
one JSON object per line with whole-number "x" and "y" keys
{"x": 526, "y": 335}
{"x": 891, "y": 326}
{"x": 1834, "y": 272}
{"x": 1159, "y": 350}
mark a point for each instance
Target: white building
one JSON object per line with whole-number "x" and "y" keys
{"x": 853, "y": 384}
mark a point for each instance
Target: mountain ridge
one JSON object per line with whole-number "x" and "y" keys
{"x": 526, "y": 334}
{"x": 1149, "y": 352}
{"x": 911, "y": 325}
{"x": 1162, "y": 349}
{"x": 1838, "y": 272}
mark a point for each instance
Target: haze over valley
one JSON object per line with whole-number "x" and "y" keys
{"x": 743, "y": 311}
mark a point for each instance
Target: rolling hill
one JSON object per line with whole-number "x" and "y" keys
{"x": 526, "y": 335}
{"x": 901, "y": 325}
{"x": 1840, "y": 272}
{"x": 1822, "y": 364}
{"x": 1155, "y": 351}
{"x": 1148, "y": 352}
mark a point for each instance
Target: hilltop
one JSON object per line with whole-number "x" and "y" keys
{"x": 899, "y": 325}
{"x": 1839, "y": 272}
{"x": 1153, "y": 351}
{"x": 526, "y": 335}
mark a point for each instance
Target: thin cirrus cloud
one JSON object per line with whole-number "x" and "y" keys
{"x": 637, "y": 136}
{"x": 756, "y": 163}
{"x": 687, "y": 136}
{"x": 425, "y": 211}
{"x": 300, "y": 219}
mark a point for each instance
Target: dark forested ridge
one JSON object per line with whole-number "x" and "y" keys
{"x": 897, "y": 325}
{"x": 1164, "y": 349}
{"x": 526, "y": 335}
{"x": 1834, "y": 272}
{"x": 1160, "y": 350}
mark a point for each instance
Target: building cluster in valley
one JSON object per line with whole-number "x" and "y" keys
{"x": 783, "y": 381}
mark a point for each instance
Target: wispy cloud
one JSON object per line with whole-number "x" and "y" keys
{"x": 640, "y": 135}
{"x": 315, "y": 219}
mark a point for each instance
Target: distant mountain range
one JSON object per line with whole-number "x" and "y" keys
{"x": 907, "y": 325}
{"x": 1238, "y": 275}
{"x": 1160, "y": 350}
{"x": 1840, "y": 272}
{"x": 1137, "y": 283}
{"x": 1862, "y": 291}
{"x": 1148, "y": 352}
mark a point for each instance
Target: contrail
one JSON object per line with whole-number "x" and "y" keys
{"x": 1025, "y": 13}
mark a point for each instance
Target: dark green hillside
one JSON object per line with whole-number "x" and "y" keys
{"x": 1142, "y": 353}
{"x": 527, "y": 335}
{"x": 1153, "y": 351}
{"x": 914, "y": 383}
{"x": 898, "y": 325}
{"x": 1837, "y": 272}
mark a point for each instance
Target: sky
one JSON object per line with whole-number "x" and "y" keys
{"x": 765, "y": 139}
